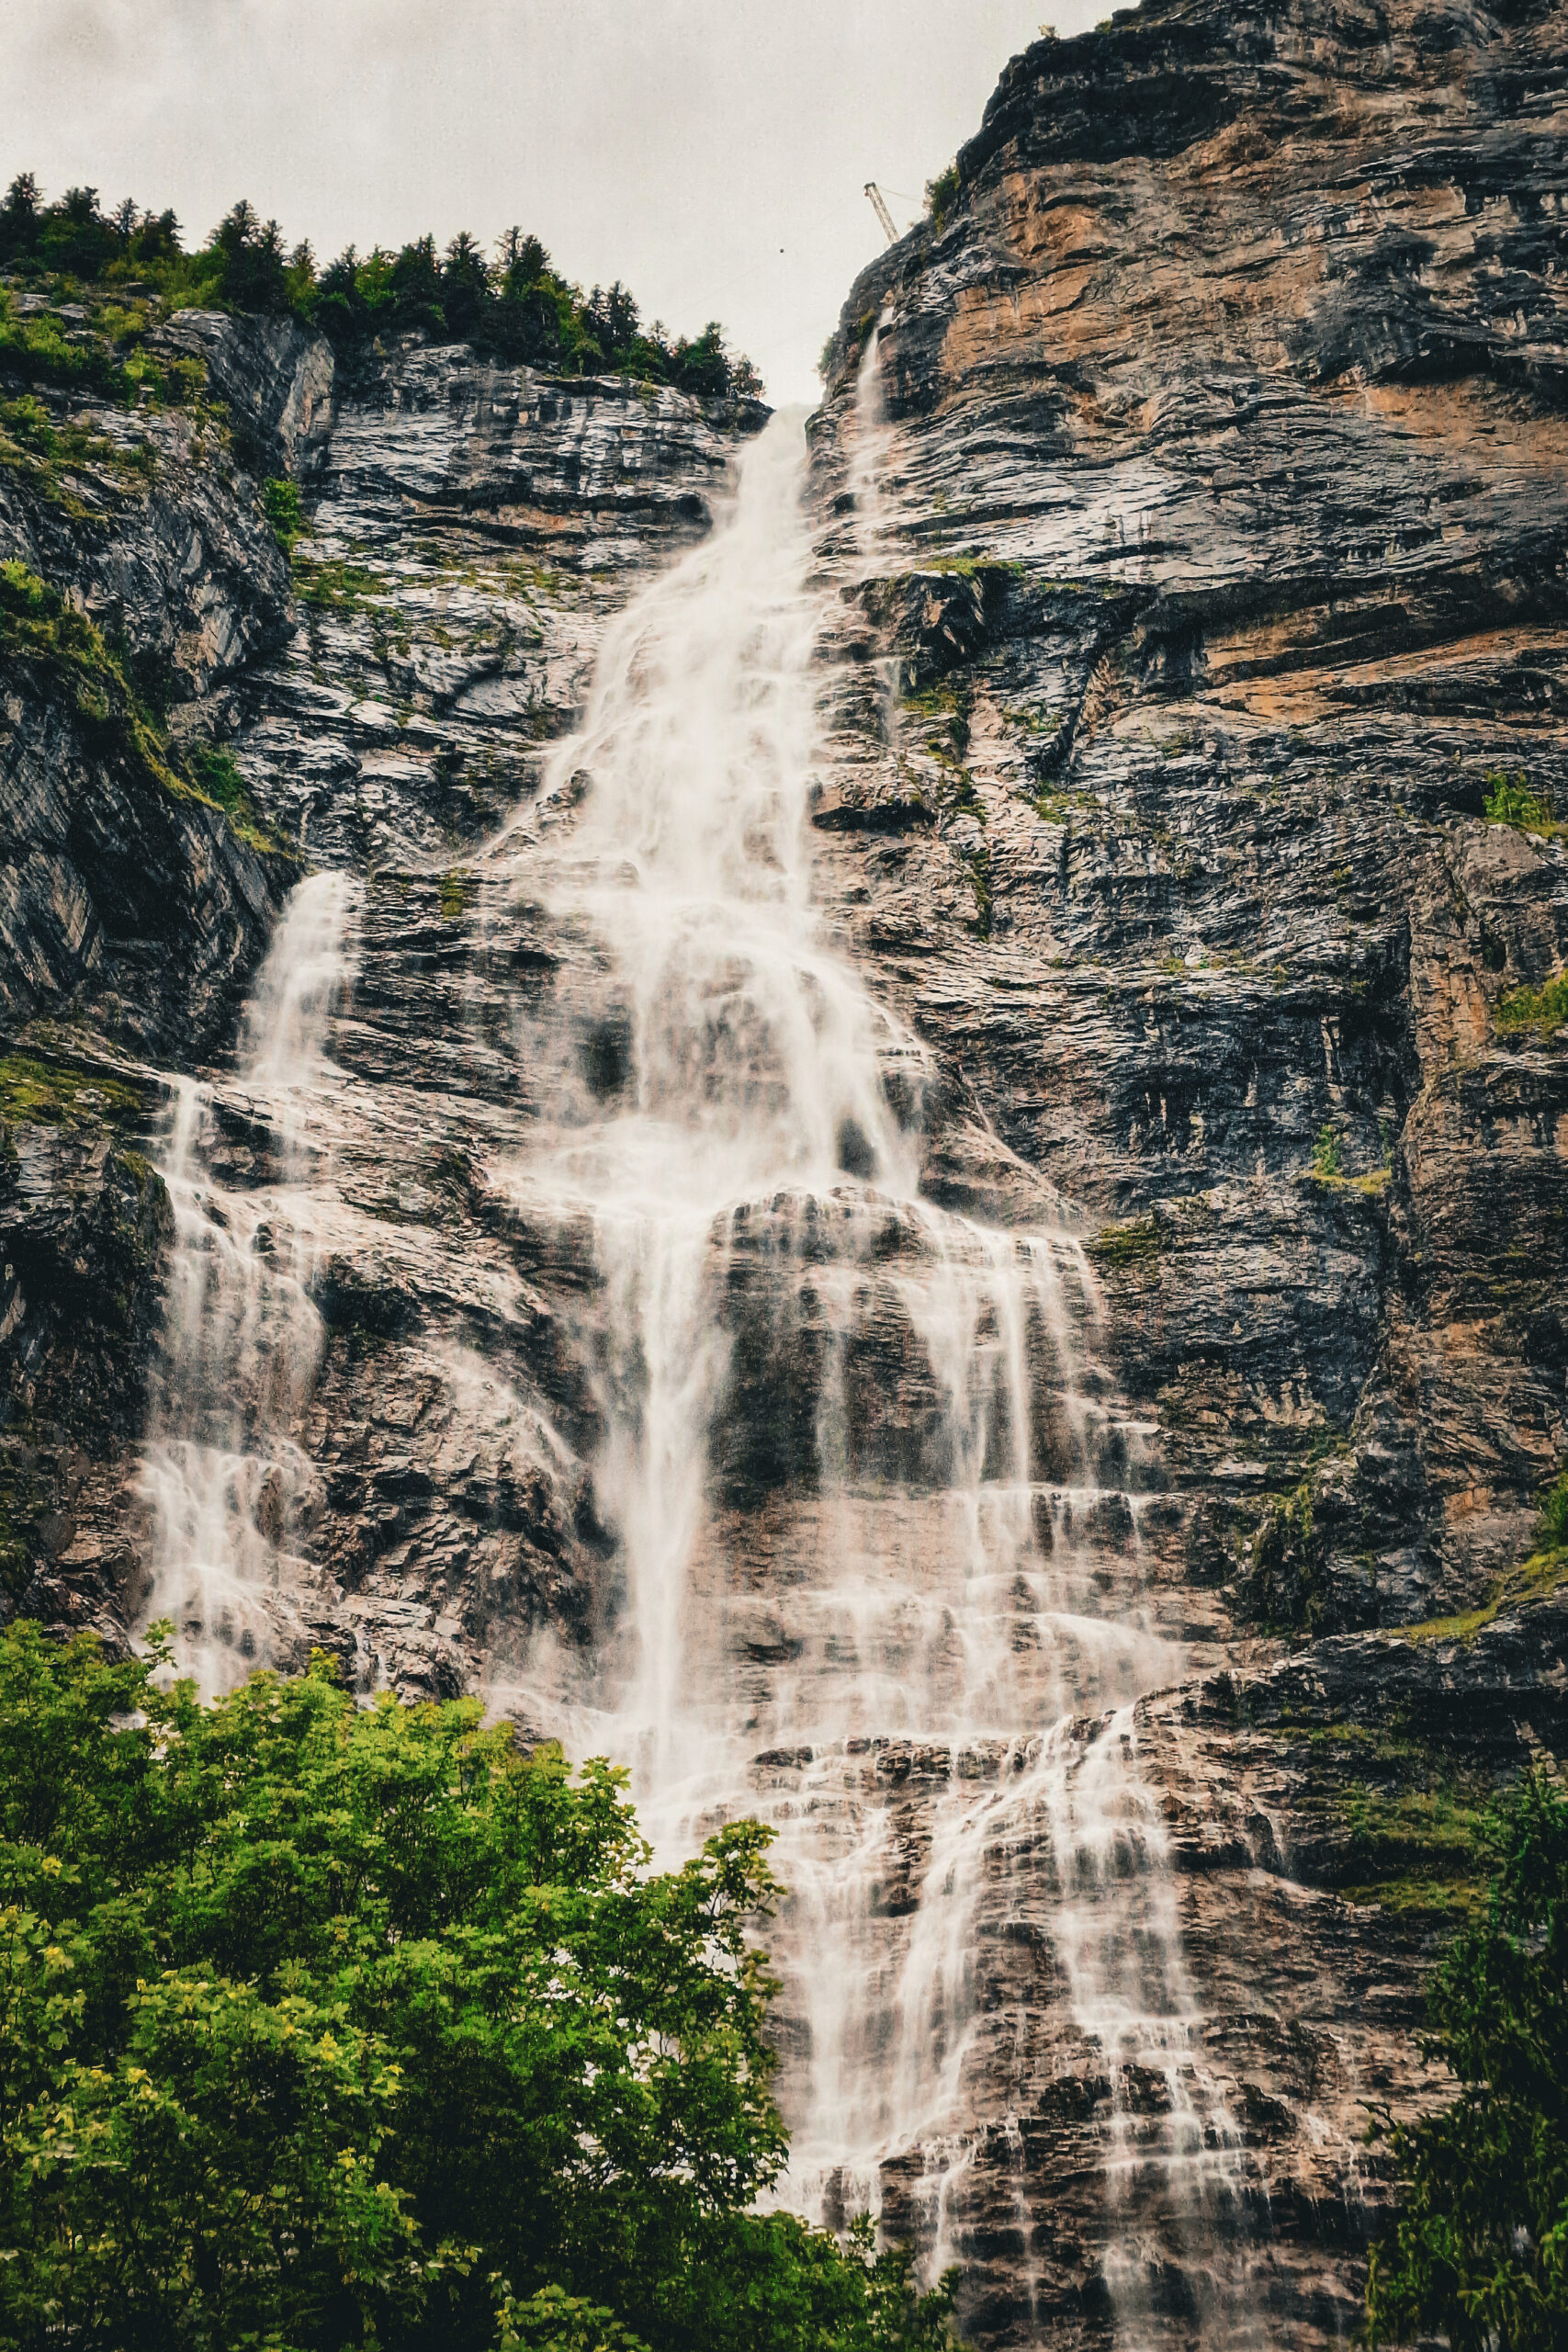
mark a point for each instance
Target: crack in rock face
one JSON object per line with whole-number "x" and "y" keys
{"x": 878, "y": 1117}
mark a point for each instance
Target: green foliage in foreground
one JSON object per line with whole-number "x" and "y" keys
{"x": 323, "y": 2027}
{"x": 1480, "y": 2255}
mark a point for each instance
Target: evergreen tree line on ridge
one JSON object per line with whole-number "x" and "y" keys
{"x": 515, "y": 308}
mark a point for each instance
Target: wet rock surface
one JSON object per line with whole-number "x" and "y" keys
{"x": 1216, "y": 586}
{"x": 382, "y": 702}
{"x": 1216, "y": 580}
{"x": 1224, "y": 531}
{"x": 472, "y": 528}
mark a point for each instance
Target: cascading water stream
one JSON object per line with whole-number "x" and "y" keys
{"x": 868, "y": 1495}
{"x": 228, "y": 1486}
{"x": 895, "y": 1662}
{"x": 867, "y": 457}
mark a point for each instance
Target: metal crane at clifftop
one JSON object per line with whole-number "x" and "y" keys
{"x": 879, "y": 206}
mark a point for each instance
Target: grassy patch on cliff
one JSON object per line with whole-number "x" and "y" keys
{"x": 1512, "y": 801}
{"x": 1329, "y": 1173}
{"x": 1399, "y": 1814}
{"x": 34, "y": 1092}
{"x": 1533, "y": 1579}
{"x": 937, "y": 718}
{"x": 1543, "y": 1009}
{"x": 46, "y": 455}
{"x": 1419, "y": 1849}
{"x": 218, "y": 780}
{"x": 1121, "y": 1248}
{"x": 39, "y": 625}
{"x": 1060, "y": 807}
{"x": 329, "y": 585}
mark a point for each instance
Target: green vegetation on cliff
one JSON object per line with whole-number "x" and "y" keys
{"x": 1545, "y": 1008}
{"x": 1510, "y": 799}
{"x": 516, "y": 306}
{"x": 1480, "y": 2252}
{"x": 331, "y": 2027}
{"x": 39, "y": 625}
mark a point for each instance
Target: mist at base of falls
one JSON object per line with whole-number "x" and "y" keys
{"x": 856, "y": 1455}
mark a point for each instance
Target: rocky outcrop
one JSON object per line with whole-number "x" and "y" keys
{"x": 472, "y": 528}
{"x": 87, "y": 1230}
{"x": 275, "y": 378}
{"x": 1225, "y": 535}
{"x": 143, "y": 578}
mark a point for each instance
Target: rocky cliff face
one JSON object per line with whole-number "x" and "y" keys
{"x": 1190, "y": 529}
{"x": 1224, "y": 570}
{"x": 1219, "y": 560}
{"x": 380, "y": 708}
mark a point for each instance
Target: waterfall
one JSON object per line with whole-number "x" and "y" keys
{"x": 875, "y": 1575}
{"x": 868, "y": 449}
{"x": 869, "y": 1497}
{"x": 228, "y": 1489}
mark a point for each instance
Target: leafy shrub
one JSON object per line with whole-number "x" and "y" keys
{"x": 323, "y": 2026}
{"x": 1480, "y": 2252}
{"x": 280, "y": 504}
{"x": 36, "y": 351}
{"x": 1551, "y": 1527}
{"x": 1510, "y": 801}
{"x": 942, "y": 193}
{"x": 1326, "y": 1157}
{"x": 217, "y": 777}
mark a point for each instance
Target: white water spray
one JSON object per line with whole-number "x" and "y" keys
{"x": 230, "y": 1489}
{"x": 866, "y": 480}
{"x": 851, "y": 1449}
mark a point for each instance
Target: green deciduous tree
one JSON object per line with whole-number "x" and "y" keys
{"x": 1480, "y": 2251}
{"x": 324, "y": 2026}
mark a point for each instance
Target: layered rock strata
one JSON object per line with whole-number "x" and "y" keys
{"x": 1214, "y": 597}
{"x": 1224, "y": 576}
{"x": 1190, "y": 505}
{"x": 379, "y": 704}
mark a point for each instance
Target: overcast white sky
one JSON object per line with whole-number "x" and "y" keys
{"x": 710, "y": 152}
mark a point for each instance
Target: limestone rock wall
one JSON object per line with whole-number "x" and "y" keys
{"x": 1223, "y": 571}
{"x": 1215, "y": 590}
